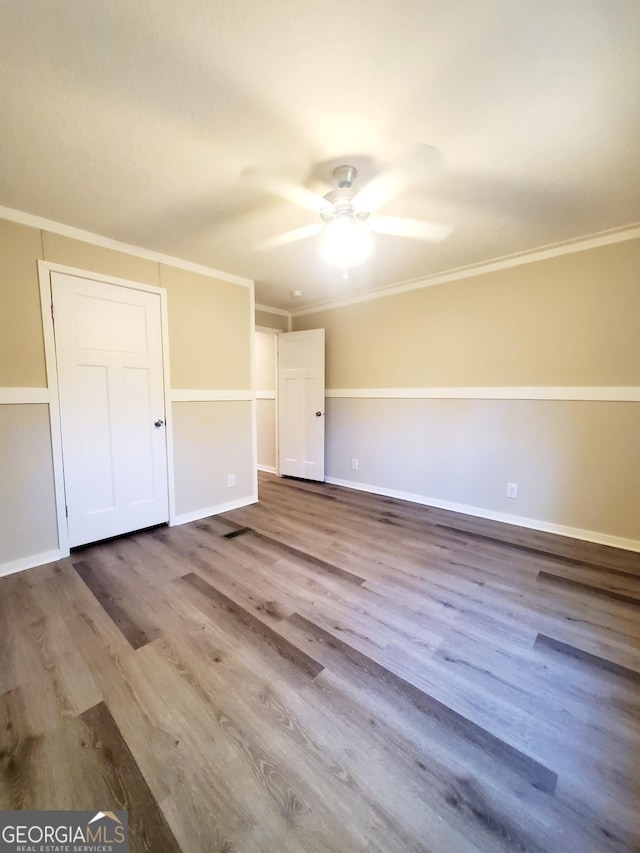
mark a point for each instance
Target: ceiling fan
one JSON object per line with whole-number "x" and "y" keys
{"x": 347, "y": 214}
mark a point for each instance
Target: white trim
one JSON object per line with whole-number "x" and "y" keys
{"x": 252, "y": 382}
{"x": 268, "y": 468}
{"x": 276, "y": 398}
{"x": 168, "y": 421}
{"x": 265, "y": 395}
{"x": 506, "y": 518}
{"x": 9, "y": 396}
{"x": 31, "y": 562}
{"x": 269, "y": 330}
{"x": 116, "y": 245}
{"x": 270, "y": 310}
{"x": 97, "y": 276}
{"x": 55, "y": 421}
{"x": 205, "y": 512}
{"x": 554, "y": 250}
{"x": 208, "y": 395}
{"x": 623, "y": 394}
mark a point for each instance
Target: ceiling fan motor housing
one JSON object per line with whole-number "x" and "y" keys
{"x": 342, "y": 197}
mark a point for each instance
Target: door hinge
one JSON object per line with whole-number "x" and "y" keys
{"x": 66, "y": 510}
{"x": 52, "y": 310}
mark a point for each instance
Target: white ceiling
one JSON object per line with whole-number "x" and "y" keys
{"x": 134, "y": 119}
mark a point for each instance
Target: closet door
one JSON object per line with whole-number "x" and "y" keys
{"x": 111, "y": 387}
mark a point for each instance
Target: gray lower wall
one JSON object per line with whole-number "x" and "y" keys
{"x": 266, "y": 426}
{"x": 212, "y": 440}
{"x": 27, "y": 498}
{"x": 560, "y": 453}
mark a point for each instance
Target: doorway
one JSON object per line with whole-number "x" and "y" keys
{"x": 290, "y": 377}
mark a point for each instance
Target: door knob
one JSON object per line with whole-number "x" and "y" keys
{"x": 318, "y": 414}
{"x": 158, "y": 423}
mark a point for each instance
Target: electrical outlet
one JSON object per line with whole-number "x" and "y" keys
{"x": 231, "y": 480}
{"x": 512, "y": 490}
{"x": 354, "y": 464}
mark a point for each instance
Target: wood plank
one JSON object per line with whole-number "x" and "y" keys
{"x": 101, "y": 773}
{"x": 283, "y": 646}
{"x": 544, "y": 641}
{"x": 125, "y": 787}
{"x": 580, "y": 586}
{"x": 131, "y": 626}
{"x": 283, "y": 547}
{"x": 310, "y": 559}
{"x": 538, "y": 775}
{"x": 286, "y": 716}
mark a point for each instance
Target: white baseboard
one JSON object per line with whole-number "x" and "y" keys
{"x": 31, "y": 562}
{"x": 205, "y": 512}
{"x": 492, "y": 515}
{"x": 267, "y": 468}
{"x": 34, "y": 560}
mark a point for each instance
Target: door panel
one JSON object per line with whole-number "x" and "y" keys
{"x": 88, "y": 427}
{"x": 111, "y": 386}
{"x": 139, "y": 450}
{"x": 301, "y": 404}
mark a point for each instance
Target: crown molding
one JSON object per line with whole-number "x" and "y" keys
{"x": 50, "y": 225}
{"x": 554, "y": 250}
{"x": 280, "y": 311}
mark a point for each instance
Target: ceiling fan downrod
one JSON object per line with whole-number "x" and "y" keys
{"x": 345, "y": 176}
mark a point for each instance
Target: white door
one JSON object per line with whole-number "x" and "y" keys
{"x": 111, "y": 386}
{"x": 301, "y": 404}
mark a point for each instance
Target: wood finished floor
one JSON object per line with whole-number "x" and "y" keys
{"x": 330, "y": 671}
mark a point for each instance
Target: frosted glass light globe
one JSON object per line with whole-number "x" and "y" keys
{"x": 345, "y": 243}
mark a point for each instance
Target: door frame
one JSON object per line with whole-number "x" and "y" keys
{"x": 275, "y": 333}
{"x": 45, "y": 268}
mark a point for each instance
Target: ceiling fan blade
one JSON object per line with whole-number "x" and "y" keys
{"x": 409, "y": 171}
{"x": 289, "y": 237}
{"x": 417, "y": 229}
{"x": 286, "y": 189}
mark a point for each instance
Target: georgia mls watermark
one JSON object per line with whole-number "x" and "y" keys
{"x": 64, "y": 832}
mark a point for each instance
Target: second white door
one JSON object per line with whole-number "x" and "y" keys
{"x": 111, "y": 387}
{"x": 301, "y": 404}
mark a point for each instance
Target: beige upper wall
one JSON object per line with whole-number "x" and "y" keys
{"x": 265, "y": 361}
{"x": 22, "y": 362}
{"x": 86, "y": 256}
{"x": 570, "y": 320}
{"x": 209, "y": 331}
{"x": 209, "y": 320}
{"x": 272, "y": 321}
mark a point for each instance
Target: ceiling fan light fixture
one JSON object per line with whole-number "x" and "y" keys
{"x": 346, "y": 243}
